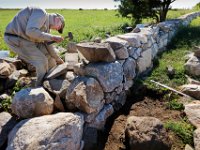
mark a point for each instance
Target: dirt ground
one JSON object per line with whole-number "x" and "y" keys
{"x": 140, "y": 106}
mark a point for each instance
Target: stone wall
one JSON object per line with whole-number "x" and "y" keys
{"x": 93, "y": 84}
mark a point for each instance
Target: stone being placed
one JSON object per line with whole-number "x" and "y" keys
{"x": 97, "y": 52}
{"x": 71, "y": 47}
{"x": 72, "y": 59}
{"x": 61, "y": 131}
{"x": 109, "y": 75}
{"x": 57, "y": 71}
{"x": 86, "y": 94}
{"x": 29, "y": 103}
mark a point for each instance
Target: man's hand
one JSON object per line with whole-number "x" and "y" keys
{"x": 59, "y": 61}
{"x": 57, "y": 38}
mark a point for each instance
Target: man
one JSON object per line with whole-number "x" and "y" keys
{"x": 28, "y": 35}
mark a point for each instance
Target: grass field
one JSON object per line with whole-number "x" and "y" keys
{"x": 84, "y": 24}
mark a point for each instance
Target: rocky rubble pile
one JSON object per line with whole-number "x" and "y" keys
{"x": 78, "y": 96}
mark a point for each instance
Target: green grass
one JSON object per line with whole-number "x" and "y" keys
{"x": 84, "y": 24}
{"x": 174, "y": 104}
{"x": 175, "y": 13}
{"x": 184, "y": 41}
{"x": 182, "y": 129}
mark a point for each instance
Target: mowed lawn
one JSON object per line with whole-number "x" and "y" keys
{"x": 84, "y": 24}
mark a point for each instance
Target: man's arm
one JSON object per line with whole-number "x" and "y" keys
{"x": 53, "y": 54}
{"x": 36, "y": 21}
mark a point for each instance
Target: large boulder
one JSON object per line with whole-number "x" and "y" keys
{"x": 60, "y": 131}
{"x": 146, "y": 133}
{"x": 95, "y": 52}
{"x": 32, "y": 102}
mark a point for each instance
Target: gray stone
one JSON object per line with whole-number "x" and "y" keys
{"x": 116, "y": 42}
{"x": 95, "y": 52}
{"x": 134, "y": 52}
{"x": 29, "y": 103}
{"x": 57, "y": 86}
{"x": 109, "y": 75}
{"x": 109, "y": 97}
{"x": 6, "y": 69}
{"x": 57, "y": 71}
{"x": 145, "y": 61}
{"x": 197, "y": 139}
{"x": 188, "y": 147}
{"x": 128, "y": 84}
{"x": 4, "y": 96}
{"x": 129, "y": 68}
{"x": 192, "y": 90}
{"x": 70, "y": 76}
{"x": 59, "y": 131}
{"x": 71, "y": 47}
{"x": 101, "y": 118}
{"x": 85, "y": 94}
{"x": 7, "y": 123}
{"x": 131, "y": 38}
{"x": 192, "y": 111}
{"x": 192, "y": 66}
{"x": 72, "y": 59}
{"x": 121, "y": 53}
{"x": 16, "y": 62}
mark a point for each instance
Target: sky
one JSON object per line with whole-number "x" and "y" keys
{"x": 85, "y": 4}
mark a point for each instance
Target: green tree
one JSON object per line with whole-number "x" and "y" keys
{"x": 140, "y": 9}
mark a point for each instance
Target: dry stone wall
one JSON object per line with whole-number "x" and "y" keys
{"x": 92, "y": 84}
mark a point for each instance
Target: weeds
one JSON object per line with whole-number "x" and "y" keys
{"x": 175, "y": 105}
{"x": 5, "y": 104}
{"x": 182, "y": 129}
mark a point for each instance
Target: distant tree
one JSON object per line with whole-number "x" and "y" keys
{"x": 139, "y": 9}
{"x": 197, "y": 6}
